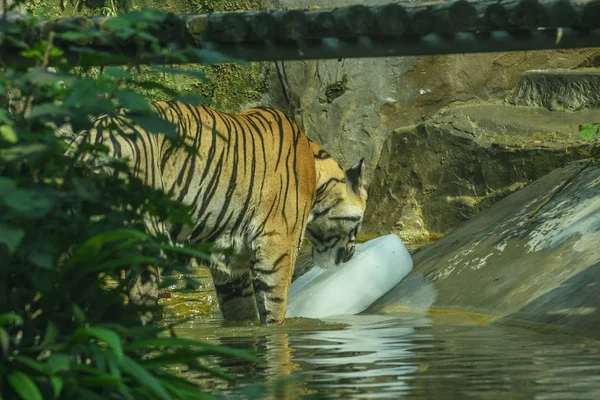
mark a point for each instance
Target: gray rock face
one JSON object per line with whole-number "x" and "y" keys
{"x": 385, "y": 109}
{"x": 338, "y": 103}
{"x": 544, "y": 269}
{"x": 332, "y": 105}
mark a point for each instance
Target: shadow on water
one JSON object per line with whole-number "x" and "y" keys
{"x": 406, "y": 356}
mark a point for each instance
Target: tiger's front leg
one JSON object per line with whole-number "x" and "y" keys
{"x": 271, "y": 278}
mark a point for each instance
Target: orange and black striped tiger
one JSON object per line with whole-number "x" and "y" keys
{"x": 257, "y": 192}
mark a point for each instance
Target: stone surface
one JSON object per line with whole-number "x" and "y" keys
{"x": 356, "y": 107}
{"x": 440, "y": 173}
{"x": 544, "y": 270}
{"x": 559, "y": 89}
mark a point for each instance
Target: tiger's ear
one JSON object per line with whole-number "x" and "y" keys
{"x": 355, "y": 176}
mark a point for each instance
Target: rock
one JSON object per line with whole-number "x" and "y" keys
{"x": 351, "y": 106}
{"x": 365, "y": 107}
{"x": 436, "y": 175}
{"x": 337, "y": 105}
{"x": 542, "y": 270}
{"x": 559, "y": 89}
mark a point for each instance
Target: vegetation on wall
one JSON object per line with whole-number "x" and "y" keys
{"x": 70, "y": 237}
{"x": 589, "y": 131}
{"x": 230, "y": 87}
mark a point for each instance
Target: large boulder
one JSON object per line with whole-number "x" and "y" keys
{"x": 435, "y": 175}
{"x": 530, "y": 258}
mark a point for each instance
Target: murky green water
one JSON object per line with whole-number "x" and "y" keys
{"x": 413, "y": 357}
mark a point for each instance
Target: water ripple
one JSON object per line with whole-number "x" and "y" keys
{"x": 378, "y": 357}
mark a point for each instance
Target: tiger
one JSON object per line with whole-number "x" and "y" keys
{"x": 256, "y": 184}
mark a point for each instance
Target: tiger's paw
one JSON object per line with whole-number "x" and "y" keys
{"x": 145, "y": 317}
{"x": 144, "y": 290}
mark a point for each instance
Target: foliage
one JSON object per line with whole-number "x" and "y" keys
{"x": 589, "y": 131}
{"x": 70, "y": 236}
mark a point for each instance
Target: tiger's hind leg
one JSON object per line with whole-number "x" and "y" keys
{"x": 143, "y": 292}
{"x": 235, "y": 294}
{"x": 143, "y": 286}
{"x": 233, "y": 286}
{"x": 271, "y": 277}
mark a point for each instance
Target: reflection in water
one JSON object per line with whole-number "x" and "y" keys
{"x": 416, "y": 357}
{"x": 373, "y": 354}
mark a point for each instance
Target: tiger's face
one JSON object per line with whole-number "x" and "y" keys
{"x": 337, "y": 217}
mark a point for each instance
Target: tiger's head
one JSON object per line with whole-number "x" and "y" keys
{"x": 337, "y": 215}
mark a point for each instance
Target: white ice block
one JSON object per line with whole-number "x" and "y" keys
{"x": 377, "y": 266}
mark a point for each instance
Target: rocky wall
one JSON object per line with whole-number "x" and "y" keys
{"x": 382, "y": 108}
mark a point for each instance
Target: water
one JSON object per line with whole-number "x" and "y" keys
{"x": 413, "y": 357}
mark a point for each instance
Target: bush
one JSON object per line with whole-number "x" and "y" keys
{"x": 70, "y": 236}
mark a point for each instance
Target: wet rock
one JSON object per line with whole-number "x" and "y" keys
{"x": 542, "y": 270}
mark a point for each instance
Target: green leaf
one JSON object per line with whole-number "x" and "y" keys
{"x": 24, "y": 386}
{"x": 11, "y": 236}
{"x": 28, "y": 202}
{"x": 83, "y": 91}
{"x": 41, "y": 259}
{"x": 181, "y": 385}
{"x": 33, "y": 364}
{"x": 100, "y": 380}
{"x": 8, "y": 133}
{"x": 109, "y": 337}
{"x": 156, "y": 125}
{"x": 187, "y": 251}
{"x": 87, "y": 394}
{"x": 214, "y": 372}
{"x": 92, "y": 246}
{"x": 40, "y": 76}
{"x": 117, "y": 72}
{"x": 144, "y": 377}
{"x": 58, "y": 362}
{"x": 4, "y": 342}
{"x": 78, "y": 313}
{"x": 113, "y": 364}
{"x": 4, "y": 116}
{"x": 10, "y": 317}
{"x": 127, "y": 261}
{"x": 133, "y": 101}
{"x": 6, "y": 185}
{"x": 57, "y": 385}
{"x": 101, "y": 106}
{"x": 76, "y": 36}
{"x": 51, "y": 334}
{"x": 15, "y": 152}
{"x": 48, "y": 109}
{"x": 588, "y": 131}
{"x": 190, "y": 343}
